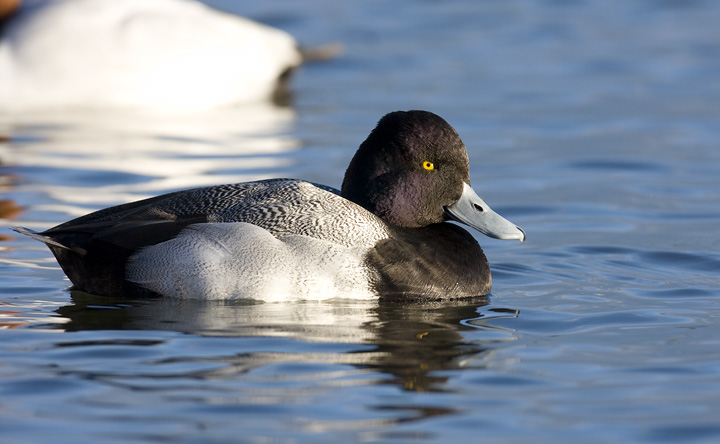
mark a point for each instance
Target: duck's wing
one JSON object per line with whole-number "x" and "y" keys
{"x": 157, "y": 219}
{"x": 275, "y": 204}
{"x": 130, "y": 226}
{"x": 93, "y": 250}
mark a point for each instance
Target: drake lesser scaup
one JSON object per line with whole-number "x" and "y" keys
{"x": 383, "y": 235}
{"x": 159, "y": 54}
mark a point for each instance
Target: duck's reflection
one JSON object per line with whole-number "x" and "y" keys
{"x": 408, "y": 342}
{"x": 415, "y": 347}
{"x": 95, "y": 158}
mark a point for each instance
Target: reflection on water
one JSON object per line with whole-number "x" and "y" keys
{"x": 101, "y": 158}
{"x": 240, "y": 364}
{"x": 9, "y": 210}
{"x": 406, "y": 342}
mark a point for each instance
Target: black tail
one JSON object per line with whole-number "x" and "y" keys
{"x": 47, "y": 240}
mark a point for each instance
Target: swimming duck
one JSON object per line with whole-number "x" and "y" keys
{"x": 160, "y": 54}
{"x": 385, "y": 234}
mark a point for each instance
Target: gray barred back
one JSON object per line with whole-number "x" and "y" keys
{"x": 281, "y": 206}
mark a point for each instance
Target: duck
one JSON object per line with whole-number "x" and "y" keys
{"x": 151, "y": 54}
{"x": 390, "y": 233}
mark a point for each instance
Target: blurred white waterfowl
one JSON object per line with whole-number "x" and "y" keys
{"x": 178, "y": 54}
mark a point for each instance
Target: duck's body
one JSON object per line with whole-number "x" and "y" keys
{"x": 177, "y": 54}
{"x": 382, "y": 236}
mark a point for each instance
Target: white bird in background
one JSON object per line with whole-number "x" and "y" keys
{"x": 159, "y": 54}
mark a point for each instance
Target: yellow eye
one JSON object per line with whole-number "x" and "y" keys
{"x": 428, "y": 165}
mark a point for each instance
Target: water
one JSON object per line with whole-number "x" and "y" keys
{"x": 591, "y": 124}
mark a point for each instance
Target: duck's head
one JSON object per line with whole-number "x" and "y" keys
{"x": 413, "y": 171}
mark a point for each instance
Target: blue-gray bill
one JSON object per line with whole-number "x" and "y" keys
{"x": 471, "y": 210}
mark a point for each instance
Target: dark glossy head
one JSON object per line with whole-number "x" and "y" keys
{"x": 409, "y": 169}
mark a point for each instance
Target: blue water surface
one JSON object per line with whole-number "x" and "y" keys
{"x": 594, "y": 125}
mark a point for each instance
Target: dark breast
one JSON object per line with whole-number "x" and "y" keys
{"x": 441, "y": 261}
